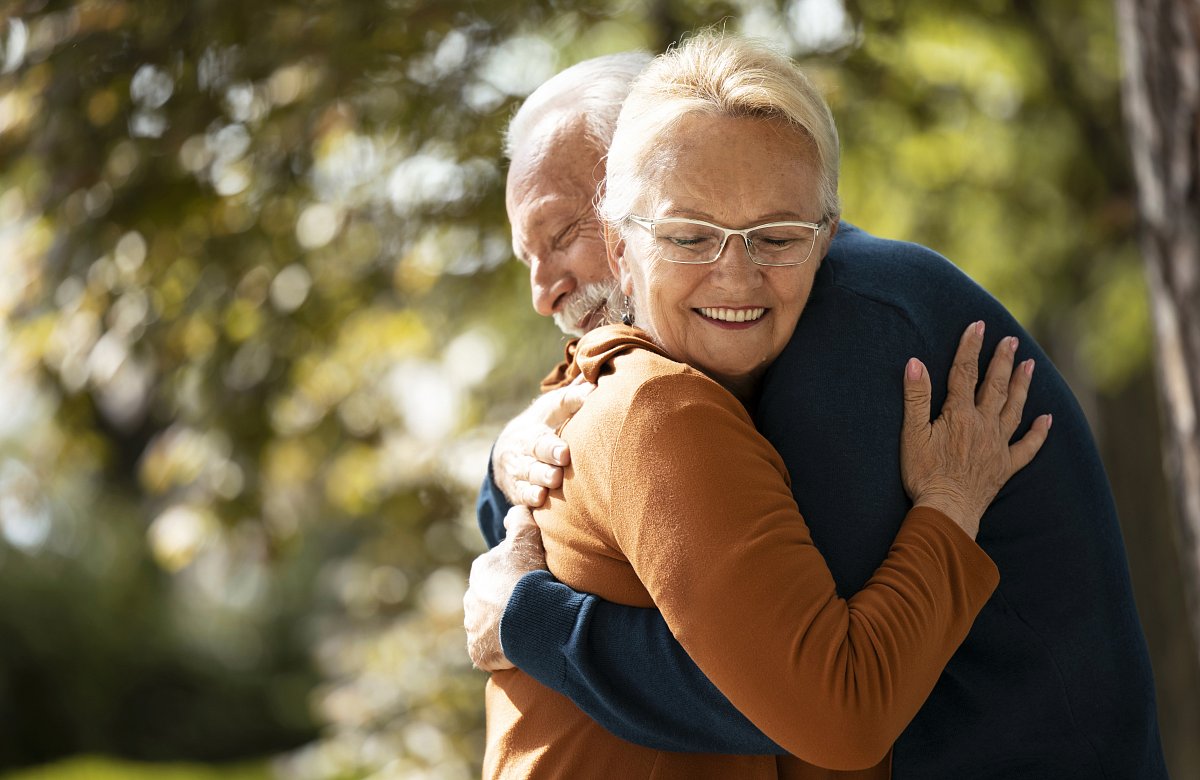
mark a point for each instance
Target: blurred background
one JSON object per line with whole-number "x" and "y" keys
{"x": 260, "y": 322}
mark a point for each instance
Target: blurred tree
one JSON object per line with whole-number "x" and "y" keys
{"x": 259, "y": 325}
{"x": 240, "y": 238}
{"x": 1161, "y": 45}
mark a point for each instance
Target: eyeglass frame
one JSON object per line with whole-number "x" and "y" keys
{"x": 649, "y": 224}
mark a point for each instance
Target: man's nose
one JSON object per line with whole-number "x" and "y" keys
{"x": 549, "y": 282}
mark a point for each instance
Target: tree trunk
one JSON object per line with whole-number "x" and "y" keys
{"x": 1160, "y": 43}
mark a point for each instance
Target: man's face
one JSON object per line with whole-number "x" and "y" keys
{"x": 551, "y": 185}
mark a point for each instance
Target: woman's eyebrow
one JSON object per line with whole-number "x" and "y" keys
{"x": 762, "y": 219}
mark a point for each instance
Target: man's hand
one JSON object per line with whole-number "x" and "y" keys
{"x": 528, "y": 459}
{"x": 493, "y": 577}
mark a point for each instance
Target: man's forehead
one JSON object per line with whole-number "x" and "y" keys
{"x": 539, "y": 207}
{"x": 546, "y": 193}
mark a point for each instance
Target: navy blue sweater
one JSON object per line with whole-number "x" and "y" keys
{"x": 1054, "y": 679}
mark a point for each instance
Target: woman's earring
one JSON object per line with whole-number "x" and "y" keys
{"x": 627, "y": 314}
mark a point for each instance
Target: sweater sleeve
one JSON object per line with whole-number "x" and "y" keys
{"x": 699, "y": 504}
{"x": 581, "y": 646}
{"x": 490, "y": 509}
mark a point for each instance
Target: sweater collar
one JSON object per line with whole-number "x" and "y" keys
{"x": 598, "y": 347}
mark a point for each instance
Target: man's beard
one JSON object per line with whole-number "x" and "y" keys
{"x": 585, "y": 309}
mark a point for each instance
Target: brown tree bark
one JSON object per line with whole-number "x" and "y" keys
{"x": 1160, "y": 43}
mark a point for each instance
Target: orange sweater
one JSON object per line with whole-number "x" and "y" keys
{"x": 674, "y": 500}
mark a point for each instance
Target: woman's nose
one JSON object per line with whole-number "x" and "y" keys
{"x": 734, "y": 259}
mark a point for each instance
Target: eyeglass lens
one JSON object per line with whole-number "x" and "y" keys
{"x": 685, "y": 242}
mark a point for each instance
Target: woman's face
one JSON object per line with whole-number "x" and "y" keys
{"x": 737, "y": 173}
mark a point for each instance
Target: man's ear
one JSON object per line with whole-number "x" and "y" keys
{"x": 614, "y": 246}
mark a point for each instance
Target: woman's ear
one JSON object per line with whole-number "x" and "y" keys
{"x": 615, "y": 247}
{"x": 829, "y": 233}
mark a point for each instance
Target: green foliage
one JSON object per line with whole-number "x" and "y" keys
{"x": 260, "y": 325}
{"x": 107, "y": 769}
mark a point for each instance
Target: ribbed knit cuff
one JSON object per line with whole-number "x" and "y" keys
{"x": 537, "y": 624}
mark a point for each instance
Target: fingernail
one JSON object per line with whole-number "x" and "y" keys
{"x": 1049, "y": 421}
{"x": 1028, "y": 367}
{"x": 914, "y": 369}
{"x": 979, "y": 328}
{"x": 1013, "y": 341}
{"x": 559, "y": 452}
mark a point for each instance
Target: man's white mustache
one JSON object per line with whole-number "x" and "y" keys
{"x": 581, "y": 303}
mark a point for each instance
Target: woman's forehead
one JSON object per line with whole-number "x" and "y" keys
{"x": 732, "y": 170}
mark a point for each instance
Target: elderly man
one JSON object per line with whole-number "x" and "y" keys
{"x": 1053, "y": 680}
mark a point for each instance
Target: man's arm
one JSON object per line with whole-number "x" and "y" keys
{"x": 490, "y": 509}
{"x": 580, "y": 645}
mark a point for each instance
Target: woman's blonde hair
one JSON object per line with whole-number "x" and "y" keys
{"x": 724, "y": 75}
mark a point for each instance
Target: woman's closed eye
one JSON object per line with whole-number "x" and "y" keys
{"x": 689, "y": 242}
{"x": 774, "y": 242}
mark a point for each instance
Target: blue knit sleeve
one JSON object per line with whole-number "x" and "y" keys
{"x": 490, "y": 509}
{"x": 622, "y": 666}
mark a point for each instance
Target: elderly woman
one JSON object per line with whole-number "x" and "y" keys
{"x": 674, "y": 500}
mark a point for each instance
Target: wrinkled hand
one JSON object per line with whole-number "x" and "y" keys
{"x": 528, "y": 459}
{"x": 959, "y": 462}
{"x": 493, "y": 577}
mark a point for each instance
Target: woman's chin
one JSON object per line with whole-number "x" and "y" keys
{"x": 732, "y": 373}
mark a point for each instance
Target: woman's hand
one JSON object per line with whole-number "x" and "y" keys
{"x": 958, "y": 463}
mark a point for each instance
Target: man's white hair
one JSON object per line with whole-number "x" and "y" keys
{"x": 592, "y": 90}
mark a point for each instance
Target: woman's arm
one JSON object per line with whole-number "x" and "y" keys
{"x": 702, "y": 510}
{"x": 728, "y": 560}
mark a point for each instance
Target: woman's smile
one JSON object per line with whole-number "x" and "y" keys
{"x": 728, "y": 318}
